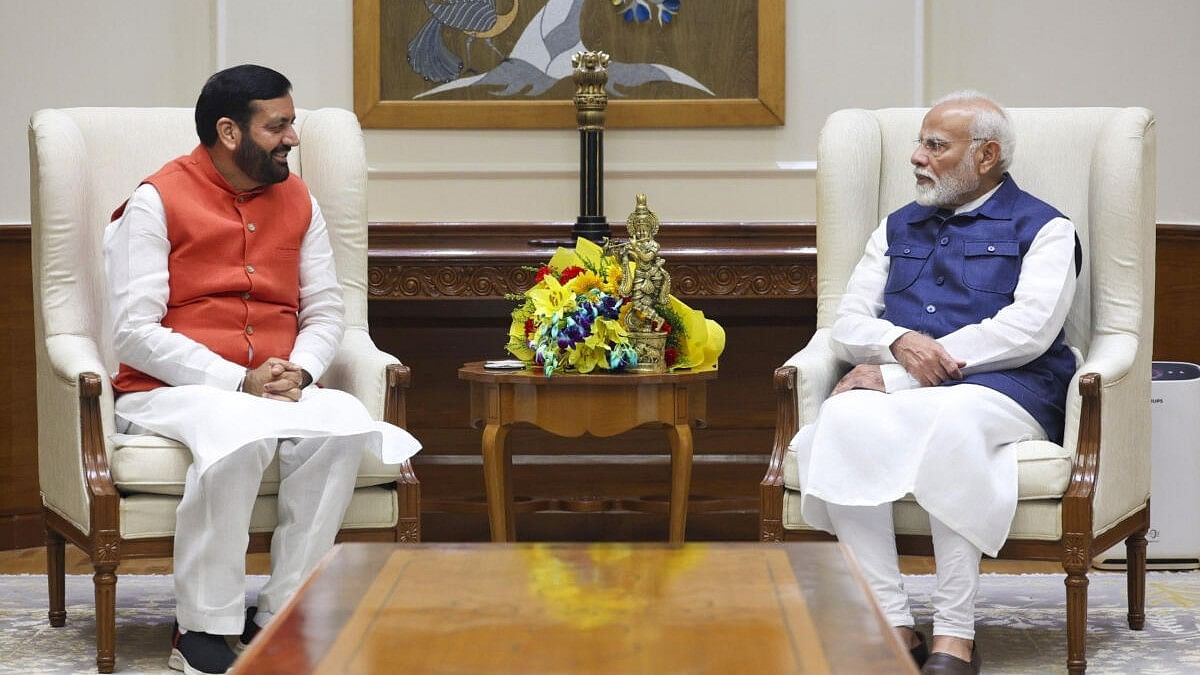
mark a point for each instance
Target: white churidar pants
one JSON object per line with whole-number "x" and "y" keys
{"x": 869, "y": 532}
{"x": 953, "y": 448}
{"x": 317, "y": 478}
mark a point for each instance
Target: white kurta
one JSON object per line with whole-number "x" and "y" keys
{"x": 202, "y": 408}
{"x": 952, "y": 448}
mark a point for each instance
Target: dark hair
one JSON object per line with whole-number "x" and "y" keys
{"x": 230, "y": 92}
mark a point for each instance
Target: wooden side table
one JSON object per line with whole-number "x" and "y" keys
{"x": 571, "y": 405}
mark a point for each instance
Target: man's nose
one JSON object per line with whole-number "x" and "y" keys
{"x": 291, "y": 138}
{"x": 920, "y": 156}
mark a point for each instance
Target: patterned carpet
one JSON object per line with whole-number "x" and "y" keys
{"x": 1021, "y": 624}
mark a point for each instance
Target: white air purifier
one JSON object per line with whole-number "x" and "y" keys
{"x": 1173, "y": 542}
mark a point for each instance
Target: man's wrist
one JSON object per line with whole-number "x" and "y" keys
{"x": 305, "y": 378}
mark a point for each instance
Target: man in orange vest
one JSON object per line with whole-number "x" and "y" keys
{"x": 225, "y": 307}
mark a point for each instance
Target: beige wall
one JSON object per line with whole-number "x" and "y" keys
{"x": 841, "y": 53}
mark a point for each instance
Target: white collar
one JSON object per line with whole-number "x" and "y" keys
{"x": 978, "y": 201}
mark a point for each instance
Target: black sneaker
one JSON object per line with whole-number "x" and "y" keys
{"x": 920, "y": 653}
{"x": 248, "y": 632}
{"x": 197, "y": 653}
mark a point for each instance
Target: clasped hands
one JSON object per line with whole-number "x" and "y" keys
{"x": 925, "y": 359}
{"x": 276, "y": 379}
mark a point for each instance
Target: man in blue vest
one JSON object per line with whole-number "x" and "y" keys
{"x": 953, "y": 320}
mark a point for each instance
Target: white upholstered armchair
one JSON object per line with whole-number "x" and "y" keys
{"x": 1096, "y": 165}
{"x": 114, "y": 496}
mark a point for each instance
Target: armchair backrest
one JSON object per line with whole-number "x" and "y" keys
{"x": 85, "y": 161}
{"x": 1096, "y": 165}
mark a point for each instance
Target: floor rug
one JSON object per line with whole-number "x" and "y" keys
{"x": 1021, "y": 625}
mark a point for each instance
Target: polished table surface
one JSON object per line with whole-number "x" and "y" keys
{"x": 580, "y": 608}
{"x": 573, "y": 404}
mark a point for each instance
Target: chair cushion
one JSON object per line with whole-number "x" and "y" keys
{"x": 1043, "y": 470}
{"x": 1034, "y": 519}
{"x": 148, "y": 464}
{"x": 146, "y": 516}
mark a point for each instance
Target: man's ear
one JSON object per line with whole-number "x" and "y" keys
{"x": 229, "y": 134}
{"x": 989, "y": 157}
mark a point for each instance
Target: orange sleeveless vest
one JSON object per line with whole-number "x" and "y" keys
{"x": 234, "y": 263}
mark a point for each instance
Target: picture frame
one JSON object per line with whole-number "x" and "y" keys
{"x": 385, "y": 95}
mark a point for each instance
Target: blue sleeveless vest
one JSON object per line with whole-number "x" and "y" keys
{"x": 949, "y": 272}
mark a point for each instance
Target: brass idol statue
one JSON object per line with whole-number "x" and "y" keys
{"x": 645, "y": 281}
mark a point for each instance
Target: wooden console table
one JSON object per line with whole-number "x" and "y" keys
{"x": 571, "y": 405}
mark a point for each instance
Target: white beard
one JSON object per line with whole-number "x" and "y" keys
{"x": 951, "y": 187}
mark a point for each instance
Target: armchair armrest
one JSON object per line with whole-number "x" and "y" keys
{"x": 817, "y": 371}
{"x": 73, "y": 443}
{"x": 802, "y": 383}
{"x": 379, "y": 380}
{"x": 1108, "y": 430}
{"x": 361, "y": 369}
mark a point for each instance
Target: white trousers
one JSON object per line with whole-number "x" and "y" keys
{"x": 869, "y": 532}
{"x": 212, "y": 526}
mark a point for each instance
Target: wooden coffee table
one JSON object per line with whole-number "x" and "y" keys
{"x": 580, "y": 608}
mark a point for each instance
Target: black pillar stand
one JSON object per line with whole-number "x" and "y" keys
{"x": 591, "y": 223}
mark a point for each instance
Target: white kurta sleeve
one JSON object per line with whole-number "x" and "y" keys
{"x": 858, "y": 334}
{"x": 321, "y": 312}
{"x": 1022, "y": 331}
{"x": 136, "y": 249}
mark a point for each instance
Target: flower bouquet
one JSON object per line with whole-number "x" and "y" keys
{"x": 574, "y": 318}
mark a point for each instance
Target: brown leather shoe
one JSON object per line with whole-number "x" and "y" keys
{"x": 941, "y": 663}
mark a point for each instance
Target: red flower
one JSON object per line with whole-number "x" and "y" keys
{"x": 570, "y": 273}
{"x": 528, "y": 327}
{"x": 541, "y": 273}
{"x": 671, "y": 356}
{"x": 664, "y": 328}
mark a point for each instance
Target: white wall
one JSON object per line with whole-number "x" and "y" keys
{"x": 840, "y": 53}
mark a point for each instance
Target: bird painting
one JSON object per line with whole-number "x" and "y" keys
{"x": 542, "y": 54}
{"x": 427, "y": 51}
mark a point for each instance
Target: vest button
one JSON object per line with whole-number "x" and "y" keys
{"x": 249, "y": 330}
{"x": 245, "y": 296}
{"x": 242, "y": 199}
{"x": 249, "y": 269}
{"x": 944, "y": 241}
{"x": 939, "y": 281}
{"x": 251, "y": 226}
{"x": 930, "y": 309}
{"x": 991, "y": 249}
{"x": 908, "y": 250}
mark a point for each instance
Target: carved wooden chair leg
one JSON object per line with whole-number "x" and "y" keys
{"x": 1135, "y": 577}
{"x": 770, "y": 521}
{"x": 105, "y": 581}
{"x": 408, "y": 497}
{"x": 1077, "y": 589}
{"x": 56, "y": 572}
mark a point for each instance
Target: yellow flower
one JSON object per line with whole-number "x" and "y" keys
{"x": 518, "y": 344}
{"x": 551, "y": 300}
{"x": 584, "y": 282}
{"x": 612, "y": 278}
{"x": 584, "y": 357}
{"x": 608, "y": 330}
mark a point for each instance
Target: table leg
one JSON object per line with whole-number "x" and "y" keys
{"x": 497, "y": 475}
{"x": 681, "y": 478}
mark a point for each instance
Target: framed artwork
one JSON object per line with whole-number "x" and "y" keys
{"x": 507, "y": 63}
